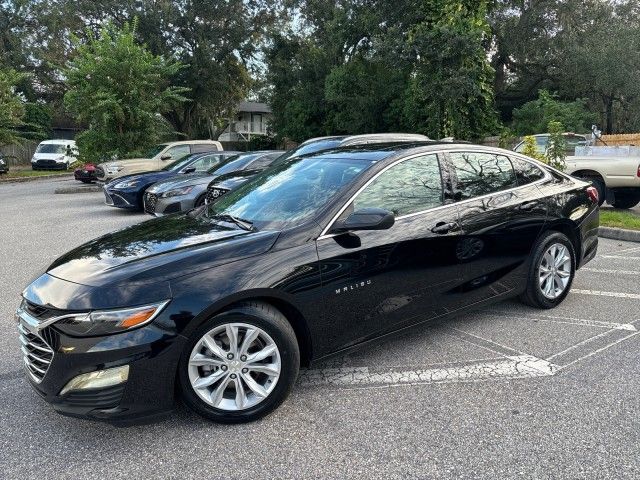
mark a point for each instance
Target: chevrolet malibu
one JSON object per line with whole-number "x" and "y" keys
{"x": 312, "y": 257}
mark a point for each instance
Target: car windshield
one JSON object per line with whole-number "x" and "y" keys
{"x": 152, "y": 152}
{"x": 51, "y": 148}
{"x": 232, "y": 164}
{"x": 288, "y": 194}
{"x": 178, "y": 164}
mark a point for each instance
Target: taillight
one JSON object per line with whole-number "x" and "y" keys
{"x": 638, "y": 172}
{"x": 592, "y": 192}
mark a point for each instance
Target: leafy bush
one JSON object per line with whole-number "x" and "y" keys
{"x": 530, "y": 149}
{"x": 556, "y": 153}
{"x": 534, "y": 117}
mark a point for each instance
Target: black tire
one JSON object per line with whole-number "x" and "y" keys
{"x": 533, "y": 295}
{"x": 275, "y": 324}
{"x": 626, "y": 200}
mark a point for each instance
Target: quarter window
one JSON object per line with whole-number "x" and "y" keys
{"x": 526, "y": 172}
{"x": 408, "y": 187}
{"x": 477, "y": 174}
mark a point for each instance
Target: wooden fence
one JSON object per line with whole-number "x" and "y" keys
{"x": 623, "y": 139}
{"x": 19, "y": 154}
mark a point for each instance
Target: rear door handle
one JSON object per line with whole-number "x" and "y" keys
{"x": 441, "y": 227}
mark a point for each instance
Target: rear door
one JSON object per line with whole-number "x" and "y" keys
{"x": 501, "y": 216}
{"x": 379, "y": 281}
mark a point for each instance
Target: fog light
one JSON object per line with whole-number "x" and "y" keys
{"x": 98, "y": 379}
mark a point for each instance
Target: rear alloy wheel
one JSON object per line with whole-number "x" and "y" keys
{"x": 240, "y": 365}
{"x": 551, "y": 271}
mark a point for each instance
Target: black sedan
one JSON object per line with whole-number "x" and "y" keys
{"x": 128, "y": 191}
{"x": 311, "y": 257}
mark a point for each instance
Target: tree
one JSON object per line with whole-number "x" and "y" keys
{"x": 119, "y": 89}
{"x": 451, "y": 90}
{"x": 12, "y": 107}
{"x": 534, "y": 117}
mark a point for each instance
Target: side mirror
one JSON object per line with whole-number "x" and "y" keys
{"x": 166, "y": 156}
{"x": 365, "y": 219}
{"x": 189, "y": 170}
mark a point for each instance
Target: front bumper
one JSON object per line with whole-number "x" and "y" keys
{"x": 120, "y": 198}
{"x": 158, "y": 206}
{"x": 151, "y": 352}
{"x": 48, "y": 165}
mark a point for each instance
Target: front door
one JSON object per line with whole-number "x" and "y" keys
{"x": 379, "y": 281}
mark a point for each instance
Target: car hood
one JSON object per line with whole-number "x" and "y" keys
{"x": 146, "y": 178}
{"x": 185, "y": 180}
{"x": 158, "y": 250}
{"x": 232, "y": 181}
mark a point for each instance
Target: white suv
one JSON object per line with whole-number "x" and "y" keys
{"x": 54, "y": 154}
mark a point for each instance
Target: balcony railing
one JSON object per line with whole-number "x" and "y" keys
{"x": 257, "y": 128}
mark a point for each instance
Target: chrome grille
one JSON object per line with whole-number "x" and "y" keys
{"x": 214, "y": 193}
{"x": 36, "y": 353}
{"x": 150, "y": 200}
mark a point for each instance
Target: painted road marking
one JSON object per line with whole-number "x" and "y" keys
{"x": 565, "y": 320}
{"x": 520, "y": 366}
{"x": 615, "y": 272}
{"x": 599, "y": 350}
{"x": 606, "y": 294}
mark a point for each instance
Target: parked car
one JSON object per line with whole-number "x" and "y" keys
{"x": 85, "y": 173}
{"x": 222, "y": 185}
{"x": 4, "y": 166}
{"x": 128, "y": 191}
{"x": 54, "y": 155}
{"x": 572, "y": 140}
{"x": 613, "y": 172}
{"x": 182, "y": 194}
{"x": 229, "y": 181}
{"x": 155, "y": 159}
{"x": 313, "y": 256}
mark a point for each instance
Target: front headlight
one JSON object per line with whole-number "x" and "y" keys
{"x": 177, "y": 192}
{"x": 113, "y": 169}
{"x": 105, "y": 322}
{"x": 126, "y": 184}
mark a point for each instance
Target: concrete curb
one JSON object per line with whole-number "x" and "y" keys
{"x": 78, "y": 189}
{"x": 62, "y": 176}
{"x": 619, "y": 234}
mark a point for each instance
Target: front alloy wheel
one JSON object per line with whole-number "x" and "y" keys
{"x": 234, "y": 366}
{"x": 240, "y": 364}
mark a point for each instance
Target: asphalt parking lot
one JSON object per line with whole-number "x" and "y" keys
{"x": 505, "y": 392}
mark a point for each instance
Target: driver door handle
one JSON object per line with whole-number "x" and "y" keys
{"x": 442, "y": 228}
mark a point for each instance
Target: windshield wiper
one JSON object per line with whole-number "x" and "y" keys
{"x": 241, "y": 222}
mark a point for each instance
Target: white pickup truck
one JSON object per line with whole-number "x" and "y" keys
{"x": 614, "y": 171}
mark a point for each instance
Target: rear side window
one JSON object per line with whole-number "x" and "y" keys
{"x": 204, "y": 147}
{"x": 408, "y": 187}
{"x": 477, "y": 174}
{"x": 526, "y": 172}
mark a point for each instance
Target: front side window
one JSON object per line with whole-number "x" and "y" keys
{"x": 179, "y": 151}
{"x": 477, "y": 174}
{"x": 526, "y": 172}
{"x": 205, "y": 162}
{"x": 408, "y": 187}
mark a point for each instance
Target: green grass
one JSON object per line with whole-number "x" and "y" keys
{"x": 619, "y": 219}
{"x": 21, "y": 171}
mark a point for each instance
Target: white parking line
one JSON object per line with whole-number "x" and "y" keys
{"x": 521, "y": 366}
{"x": 602, "y": 349}
{"x": 606, "y": 294}
{"x": 614, "y": 272}
{"x": 565, "y": 320}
